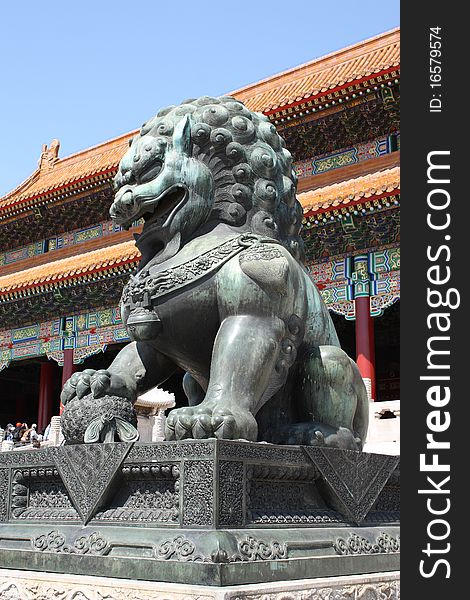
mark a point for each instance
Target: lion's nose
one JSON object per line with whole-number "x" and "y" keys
{"x": 122, "y": 204}
{"x": 114, "y": 211}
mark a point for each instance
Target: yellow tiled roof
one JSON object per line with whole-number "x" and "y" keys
{"x": 92, "y": 161}
{"x": 352, "y": 190}
{"x": 338, "y": 68}
{"x": 70, "y": 268}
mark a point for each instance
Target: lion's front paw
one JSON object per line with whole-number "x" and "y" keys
{"x": 84, "y": 383}
{"x": 98, "y": 383}
{"x": 209, "y": 421}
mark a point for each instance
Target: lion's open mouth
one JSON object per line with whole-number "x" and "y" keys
{"x": 161, "y": 211}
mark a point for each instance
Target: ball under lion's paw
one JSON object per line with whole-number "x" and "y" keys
{"x": 106, "y": 419}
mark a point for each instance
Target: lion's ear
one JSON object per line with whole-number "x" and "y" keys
{"x": 182, "y": 136}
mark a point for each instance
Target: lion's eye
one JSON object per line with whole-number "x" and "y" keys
{"x": 150, "y": 172}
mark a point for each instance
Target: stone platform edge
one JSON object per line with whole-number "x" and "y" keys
{"x": 30, "y": 585}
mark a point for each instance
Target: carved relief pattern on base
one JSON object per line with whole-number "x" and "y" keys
{"x": 198, "y": 501}
{"x": 87, "y": 470}
{"x": 55, "y": 541}
{"x": 253, "y": 549}
{"x": 48, "y": 495}
{"x": 287, "y": 496}
{"x": 12, "y": 588}
{"x": 170, "y": 451}
{"x": 389, "y": 498}
{"x": 38, "y": 493}
{"x": 389, "y": 590}
{"x": 259, "y": 517}
{"x": 178, "y": 548}
{"x": 144, "y": 501}
{"x": 4, "y": 484}
{"x": 44, "y": 456}
{"x": 285, "y": 455}
{"x": 231, "y": 490}
{"x": 356, "y": 479}
{"x": 356, "y": 544}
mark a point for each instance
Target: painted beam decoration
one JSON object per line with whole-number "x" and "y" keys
{"x": 85, "y": 333}
{"x": 342, "y": 280}
{"x": 347, "y": 156}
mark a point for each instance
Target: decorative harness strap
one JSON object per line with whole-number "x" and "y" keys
{"x": 141, "y": 291}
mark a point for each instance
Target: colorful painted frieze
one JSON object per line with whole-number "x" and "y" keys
{"x": 345, "y": 157}
{"x": 375, "y": 274}
{"x": 51, "y": 338}
{"x": 12, "y": 256}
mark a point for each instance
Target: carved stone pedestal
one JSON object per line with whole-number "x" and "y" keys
{"x": 28, "y": 585}
{"x": 218, "y": 513}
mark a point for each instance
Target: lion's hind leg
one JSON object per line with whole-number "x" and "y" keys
{"x": 332, "y": 401}
{"x": 194, "y": 392}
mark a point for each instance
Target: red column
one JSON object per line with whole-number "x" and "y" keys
{"x": 68, "y": 370}
{"x": 373, "y": 386}
{"x": 46, "y": 394}
{"x": 365, "y": 347}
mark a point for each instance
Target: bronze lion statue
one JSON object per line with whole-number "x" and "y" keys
{"x": 221, "y": 290}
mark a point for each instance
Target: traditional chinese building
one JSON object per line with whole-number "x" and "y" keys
{"x": 63, "y": 263}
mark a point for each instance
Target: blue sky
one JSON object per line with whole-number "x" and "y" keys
{"x": 88, "y": 71}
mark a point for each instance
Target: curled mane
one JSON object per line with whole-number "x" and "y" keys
{"x": 254, "y": 182}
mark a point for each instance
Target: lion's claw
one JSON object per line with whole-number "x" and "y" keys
{"x": 100, "y": 383}
{"x": 83, "y": 386}
{"x": 208, "y": 421}
{"x": 88, "y": 381}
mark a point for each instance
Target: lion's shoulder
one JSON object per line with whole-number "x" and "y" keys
{"x": 267, "y": 264}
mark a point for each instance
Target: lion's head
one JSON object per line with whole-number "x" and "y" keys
{"x": 205, "y": 162}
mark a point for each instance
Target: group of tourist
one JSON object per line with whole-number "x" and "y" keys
{"x": 21, "y": 434}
